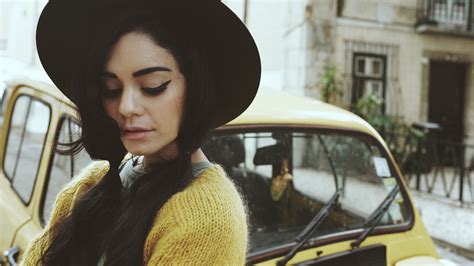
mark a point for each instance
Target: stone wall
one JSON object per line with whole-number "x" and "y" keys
{"x": 321, "y": 17}
{"x": 409, "y": 91}
{"x": 401, "y": 12}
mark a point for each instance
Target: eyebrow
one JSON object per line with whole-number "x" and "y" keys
{"x": 138, "y": 73}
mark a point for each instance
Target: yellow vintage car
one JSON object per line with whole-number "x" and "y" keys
{"x": 320, "y": 184}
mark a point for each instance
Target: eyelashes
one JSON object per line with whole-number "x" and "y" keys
{"x": 156, "y": 90}
{"x": 147, "y": 91}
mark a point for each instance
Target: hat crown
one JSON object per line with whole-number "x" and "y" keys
{"x": 67, "y": 30}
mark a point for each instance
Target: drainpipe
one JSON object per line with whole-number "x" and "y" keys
{"x": 469, "y": 16}
{"x": 246, "y": 5}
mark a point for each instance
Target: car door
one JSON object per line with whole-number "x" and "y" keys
{"x": 23, "y": 139}
{"x": 60, "y": 171}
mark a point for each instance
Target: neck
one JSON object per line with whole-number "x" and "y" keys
{"x": 196, "y": 157}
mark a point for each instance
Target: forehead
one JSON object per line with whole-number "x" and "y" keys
{"x": 136, "y": 51}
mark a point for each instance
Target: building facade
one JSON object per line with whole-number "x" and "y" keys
{"x": 416, "y": 55}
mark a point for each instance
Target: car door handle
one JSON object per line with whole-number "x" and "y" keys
{"x": 11, "y": 255}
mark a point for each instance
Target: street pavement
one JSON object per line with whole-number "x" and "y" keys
{"x": 447, "y": 253}
{"x": 450, "y": 223}
{"x": 444, "y": 181}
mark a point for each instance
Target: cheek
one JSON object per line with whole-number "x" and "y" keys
{"x": 164, "y": 114}
{"x": 180, "y": 111}
{"x": 180, "y": 98}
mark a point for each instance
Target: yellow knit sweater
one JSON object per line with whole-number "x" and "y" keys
{"x": 204, "y": 224}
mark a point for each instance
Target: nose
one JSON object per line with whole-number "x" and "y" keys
{"x": 129, "y": 103}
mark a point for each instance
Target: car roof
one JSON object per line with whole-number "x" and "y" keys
{"x": 34, "y": 77}
{"x": 270, "y": 107}
{"x": 275, "y": 107}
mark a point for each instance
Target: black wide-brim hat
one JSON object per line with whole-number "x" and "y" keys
{"x": 67, "y": 28}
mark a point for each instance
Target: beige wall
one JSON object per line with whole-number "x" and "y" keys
{"x": 294, "y": 48}
{"x": 469, "y": 114}
{"x": 409, "y": 61}
{"x": 279, "y": 30}
{"x": 18, "y": 21}
{"x": 415, "y": 51}
{"x": 387, "y": 11}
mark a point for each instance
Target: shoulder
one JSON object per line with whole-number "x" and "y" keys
{"x": 209, "y": 204}
{"x": 80, "y": 183}
{"x": 212, "y": 205}
{"x": 209, "y": 216}
{"x": 213, "y": 193}
{"x": 88, "y": 176}
{"x": 213, "y": 179}
{"x": 62, "y": 206}
{"x": 91, "y": 173}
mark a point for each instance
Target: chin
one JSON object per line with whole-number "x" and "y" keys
{"x": 139, "y": 149}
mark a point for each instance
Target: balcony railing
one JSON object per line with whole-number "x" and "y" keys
{"x": 441, "y": 168}
{"x": 447, "y": 15}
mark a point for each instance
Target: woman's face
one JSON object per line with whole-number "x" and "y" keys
{"x": 143, "y": 91}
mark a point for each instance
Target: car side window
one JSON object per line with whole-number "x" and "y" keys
{"x": 25, "y": 141}
{"x": 64, "y": 167}
{"x": 286, "y": 176}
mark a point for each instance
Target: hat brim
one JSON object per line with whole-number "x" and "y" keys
{"x": 66, "y": 28}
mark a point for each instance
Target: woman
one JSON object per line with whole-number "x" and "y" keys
{"x": 150, "y": 78}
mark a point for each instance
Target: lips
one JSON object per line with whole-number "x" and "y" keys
{"x": 135, "y": 133}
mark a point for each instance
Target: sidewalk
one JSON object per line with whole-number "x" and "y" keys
{"x": 450, "y": 224}
{"x": 446, "y": 253}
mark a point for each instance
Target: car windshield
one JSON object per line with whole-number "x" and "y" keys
{"x": 287, "y": 175}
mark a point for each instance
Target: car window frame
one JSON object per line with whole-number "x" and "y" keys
{"x": 41, "y": 159}
{"x": 280, "y": 250}
{"x": 3, "y": 101}
{"x": 63, "y": 118}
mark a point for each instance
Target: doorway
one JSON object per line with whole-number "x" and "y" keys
{"x": 447, "y": 84}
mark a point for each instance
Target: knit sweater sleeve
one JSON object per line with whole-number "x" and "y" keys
{"x": 209, "y": 228}
{"x": 61, "y": 208}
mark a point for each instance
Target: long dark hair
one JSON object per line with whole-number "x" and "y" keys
{"x": 102, "y": 216}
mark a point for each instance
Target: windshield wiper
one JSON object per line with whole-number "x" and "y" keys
{"x": 376, "y": 216}
{"x": 304, "y": 236}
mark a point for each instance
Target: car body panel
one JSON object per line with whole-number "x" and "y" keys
{"x": 424, "y": 260}
{"x": 26, "y": 233}
{"x": 279, "y": 107}
{"x": 10, "y": 203}
{"x": 413, "y": 242}
{"x": 23, "y": 222}
{"x": 17, "y": 214}
{"x": 269, "y": 108}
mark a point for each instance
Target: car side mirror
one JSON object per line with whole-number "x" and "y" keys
{"x": 11, "y": 255}
{"x": 269, "y": 155}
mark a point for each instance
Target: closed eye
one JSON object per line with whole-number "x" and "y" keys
{"x": 156, "y": 90}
